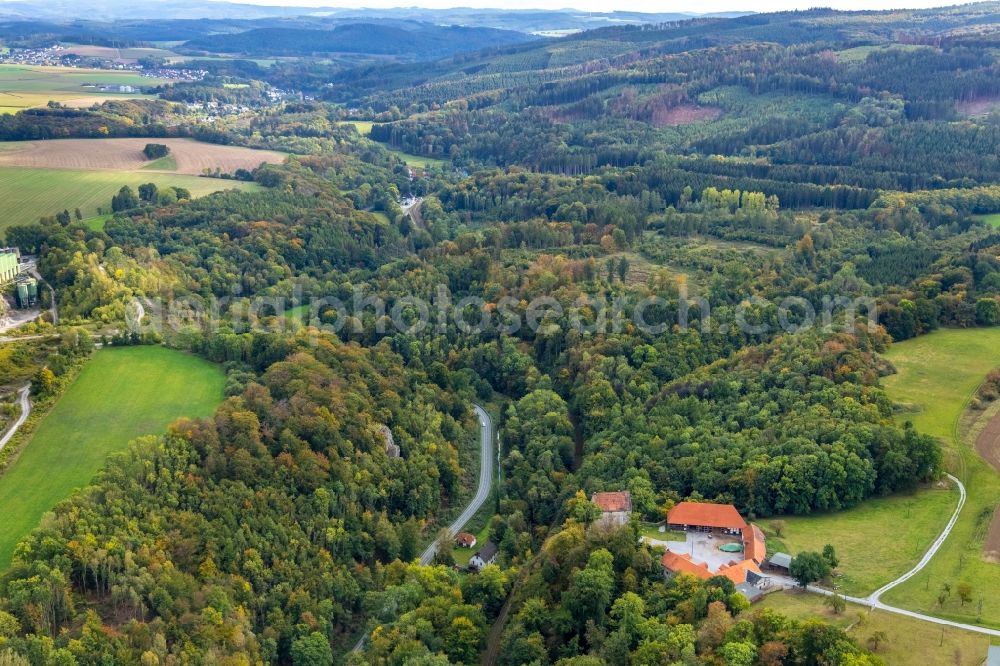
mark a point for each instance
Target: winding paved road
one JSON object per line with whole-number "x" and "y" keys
{"x": 25, "y": 413}
{"x": 874, "y": 601}
{"x": 485, "y": 481}
{"x": 486, "y": 472}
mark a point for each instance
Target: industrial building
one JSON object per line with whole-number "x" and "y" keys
{"x": 8, "y": 265}
{"x": 27, "y": 291}
{"x": 25, "y": 286}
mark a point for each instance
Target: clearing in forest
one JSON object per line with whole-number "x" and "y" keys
{"x": 119, "y": 395}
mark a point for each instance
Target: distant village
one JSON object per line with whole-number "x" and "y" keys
{"x": 213, "y": 110}
{"x": 60, "y": 56}
{"x": 205, "y": 111}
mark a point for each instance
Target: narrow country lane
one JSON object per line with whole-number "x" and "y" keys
{"x": 486, "y": 473}
{"x": 485, "y": 481}
{"x": 25, "y": 413}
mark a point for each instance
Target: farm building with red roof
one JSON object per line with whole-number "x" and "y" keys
{"x": 616, "y": 507}
{"x": 753, "y": 544}
{"x": 465, "y": 540}
{"x": 698, "y": 516}
{"x": 715, "y": 531}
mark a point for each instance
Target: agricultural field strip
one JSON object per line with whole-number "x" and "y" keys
{"x": 125, "y": 154}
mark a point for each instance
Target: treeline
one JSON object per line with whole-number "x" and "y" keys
{"x": 248, "y": 534}
{"x": 599, "y": 597}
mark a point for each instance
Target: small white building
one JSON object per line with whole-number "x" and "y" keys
{"x": 485, "y": 555}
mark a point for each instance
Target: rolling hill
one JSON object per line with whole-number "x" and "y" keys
{"x": 418, "y": 40}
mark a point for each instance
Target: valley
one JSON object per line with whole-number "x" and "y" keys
{"x": 460, "y": 336}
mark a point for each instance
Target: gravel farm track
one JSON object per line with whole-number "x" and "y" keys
{"x": 191, "y": 157}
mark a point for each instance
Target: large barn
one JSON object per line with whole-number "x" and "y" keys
{"x": 719, "y": 543}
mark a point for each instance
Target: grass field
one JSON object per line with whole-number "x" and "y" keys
{"x": 299, "y": 312}
{"x": 419, "y": 161}
{"x": 23, "y": 86}
{"x": 44, "y": 177}
{"x": 263, "y": 62}
{"x": 872, "y": 547}
{"x": 32, "y": 193}
{"x": 363, "y": 126}
{"x": 165, "y": 163}
{"x": 119, "y": 55}
{"x": 652, "y": 531}
{"x": 97, "y": 222}
{"x": 938, "y": 375}
{"x": 120, "y": 395}
{"x": 993, "y": 219}
{"x": 909, "y": 642}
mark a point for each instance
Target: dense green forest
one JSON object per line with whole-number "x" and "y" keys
{"x": 670, "y": 258}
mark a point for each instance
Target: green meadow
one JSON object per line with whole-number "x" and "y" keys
{"x": 906, "y": 640}
{"x": 119, "y": 395}
{"x": 364, "y": 127}
{"x": 868, "y": 560}
{"x": 419, "y": 161}
{"x": 27, "y": 86}
{"x": 993, "y": 219}
{"x": 32, "y": 193}
{"x": 936, "y": 379}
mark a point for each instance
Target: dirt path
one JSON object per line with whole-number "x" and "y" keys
{"x": 988, "y": 446}
{"x": 874, "y": 600}
{"x": 25, "y": 413}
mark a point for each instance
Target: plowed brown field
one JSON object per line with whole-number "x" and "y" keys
{"x": 192, "y": 157}
{"x": 988, "y": 446}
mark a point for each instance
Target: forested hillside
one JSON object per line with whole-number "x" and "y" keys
{"x": 423, "y": 40}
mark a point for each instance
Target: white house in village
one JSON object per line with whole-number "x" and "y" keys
{"x": 485, "y": 555}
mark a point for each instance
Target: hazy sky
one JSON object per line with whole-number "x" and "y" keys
{"x": 632, "y": 5}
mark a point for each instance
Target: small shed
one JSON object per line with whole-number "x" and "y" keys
{"x": 465, "y": 540}
{"x": 993, "y": 656}
{"x": 782, "y": 561}
{"x": 750, "y": 591}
